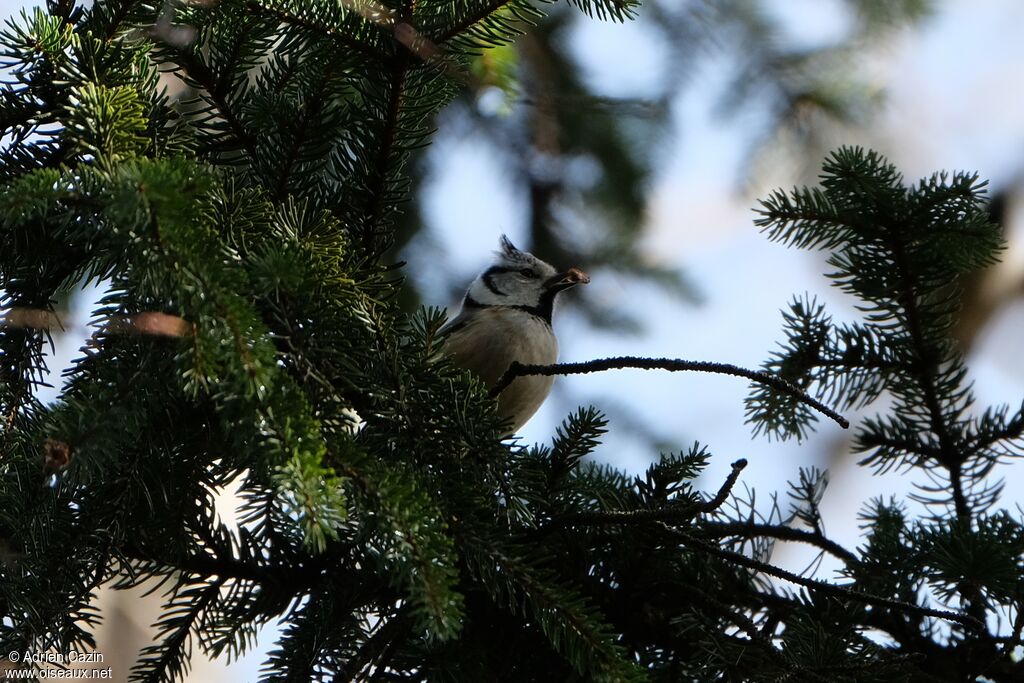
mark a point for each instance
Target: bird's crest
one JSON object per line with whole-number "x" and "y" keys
{"x": 508, "y": 252}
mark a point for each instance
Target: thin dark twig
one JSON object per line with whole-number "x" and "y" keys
{"x": 672, "y": 365}
{"x": 747, "y": 625}
{"x": 711, "y": 529}
{"x": 384, "y": 636}
{"x": 678, "y": 515}
{"x": 209, "y": 565}
{"x": 782, "y": 533}
{"x": 950, "y": 456}
{"x": 834, "y": 590}
{"x": 725, "y": 489}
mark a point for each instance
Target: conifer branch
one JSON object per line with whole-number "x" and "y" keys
{"x": 228, "y": 73}
{"x": 709, "y": 529}
{"x": 746, "y": 625}
{"x": 374, "y": 483}
{"x": 677, "y": 515}
{"x": 20, "y": 114}
{"x": 565, "y": 618}
{"x": 782, "y": 533}
{"x": 834, "y": 590}
{"x": 341, "y": 37}
{"x": 299, "y": 136}
{"x": 200, "y": 74}
{"x": 725, "y": 489}
{"x": 209, "y": 565}
{"x": 398, "y": 626}
{"x": 922, "y": 368}
{"x": 764, "y": 640}
{"x": 517, "y": 369}
{"x": 877, "y": 439}
{"x": 1014, "y": 429}
{"x": 470, "y": 19}
{"x": 1014, "y": 639}
{"x": 117, "y": 18}
{"x": 382, "y": 166}
{"x": 168, "y": 656}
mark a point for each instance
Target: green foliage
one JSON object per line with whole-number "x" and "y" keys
{"x": 900, "y": 251}
{"x": 106, "y": 122}
{"x": 251, "y": 335}
{"x": 248, "y": 334}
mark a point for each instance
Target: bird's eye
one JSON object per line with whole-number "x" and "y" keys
{"x": 528, "y": 272}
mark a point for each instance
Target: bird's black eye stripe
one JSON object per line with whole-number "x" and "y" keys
{"x": 495, "y": 270}
{"x": 488, "y": 276}
{"x": 489, "y": 284}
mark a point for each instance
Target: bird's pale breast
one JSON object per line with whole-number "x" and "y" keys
{"x": 494, "y": 338}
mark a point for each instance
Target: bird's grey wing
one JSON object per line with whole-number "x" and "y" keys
{"x": 455, "y": 324}
{"x": 476, "y": 342}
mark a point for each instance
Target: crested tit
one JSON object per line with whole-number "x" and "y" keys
{"x": 506, "y": 317}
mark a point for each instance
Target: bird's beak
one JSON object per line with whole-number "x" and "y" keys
{"x": 570, "y": 278}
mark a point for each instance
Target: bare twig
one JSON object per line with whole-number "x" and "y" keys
{"x": 672, "y": 365}
{"x": 725, "y": 489}
{"x": 152, "y": 323}
{"x": 832, "y": 589}
{"x": 681, "y": 514}
{"x": 33, "y": 319}
{"x": 782, "y": 533}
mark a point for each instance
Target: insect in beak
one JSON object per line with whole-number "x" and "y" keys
{"x": 570, "y": 278}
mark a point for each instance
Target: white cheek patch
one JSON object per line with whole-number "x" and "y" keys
{"x": 488, "y": 280}
{"x": 482, "y": 295}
